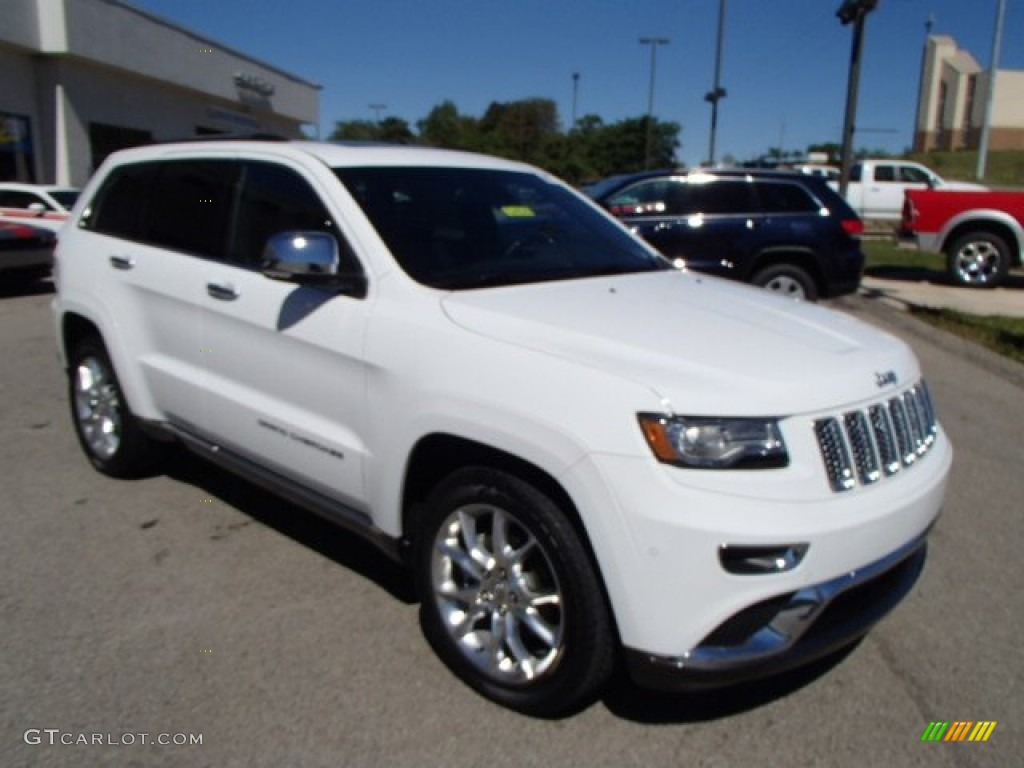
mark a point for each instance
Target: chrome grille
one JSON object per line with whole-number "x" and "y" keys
{"x": 861, "y": 447}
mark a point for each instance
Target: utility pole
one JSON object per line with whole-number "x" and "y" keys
{"x": 377, "y": 109}
{"x": 855, "y": 12}
{"x": 654, "y": 42}
{"x": 986, "y": 126}
{"x": 717, "y": 92}
{"x": 921, "y": 121}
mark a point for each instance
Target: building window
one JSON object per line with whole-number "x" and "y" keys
{"x": 940, "y": 117}
{"x": 104, "y": 139}
{"x": 17, "y": 160}
{"x": 972, "y": 93}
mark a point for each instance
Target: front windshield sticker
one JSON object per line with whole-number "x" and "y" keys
{"x": 518, "y": 211}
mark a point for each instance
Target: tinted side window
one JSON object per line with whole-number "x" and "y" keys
{"x": 655, "y": 197}
{"x": 274, "y": 199}
{"x": 855, "y": 172}
{"x": 783, "y": 197}
{"x": 14, "y": 199}
{"x": 722, "y": 197}
{"x": 885, "y": 173}
{"x": 120, "y": 206}
{"x": 190, "y": 209}
{"x": 913, "y": 175}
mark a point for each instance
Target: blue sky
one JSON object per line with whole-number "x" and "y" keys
{"x": 785, "y": 62}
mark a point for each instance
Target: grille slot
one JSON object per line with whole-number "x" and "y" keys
{"x": 861, "y": 447}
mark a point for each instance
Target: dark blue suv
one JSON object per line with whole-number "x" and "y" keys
{"x": 787, "y": 232}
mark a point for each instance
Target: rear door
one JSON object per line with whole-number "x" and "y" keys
{"x": 155, "y": 226}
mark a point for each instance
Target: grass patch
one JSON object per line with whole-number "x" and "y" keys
{"x": 884, "y": 254}
{"x": 1004, "y": 335}
{"x": 1003, "y": 168}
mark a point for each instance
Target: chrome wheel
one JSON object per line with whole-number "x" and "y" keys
{"x": 97, "y": 408}
{"x": 978, "y": 262}
{"x": 497, "y": 594}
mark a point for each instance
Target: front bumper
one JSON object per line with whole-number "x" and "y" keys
{"x": 790, "y": 630}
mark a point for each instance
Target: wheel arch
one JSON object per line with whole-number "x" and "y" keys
{"x": 436, "y": 456}
{"x": 1011, "y": 234}
{"x": 73, "y": 329}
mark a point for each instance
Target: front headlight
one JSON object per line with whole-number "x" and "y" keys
{"x": 715, "y": 443}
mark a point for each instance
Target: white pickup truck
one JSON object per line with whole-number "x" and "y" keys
{"x": 876, "y": 187}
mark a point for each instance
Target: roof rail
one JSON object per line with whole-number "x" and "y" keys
{"x": 254, "y": 136}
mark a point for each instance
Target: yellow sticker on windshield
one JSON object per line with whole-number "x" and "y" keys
{"x": 517, "y": 211}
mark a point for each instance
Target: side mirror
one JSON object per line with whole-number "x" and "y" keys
{"x": 37, "y": 208}
{"x": 310, "y": 258}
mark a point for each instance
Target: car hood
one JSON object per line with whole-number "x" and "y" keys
{"x": 703, "y": 345}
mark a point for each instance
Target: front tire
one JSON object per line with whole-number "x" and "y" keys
{"x": 109, "y": 434}
{"x": 510, "y": 601}
{"x": 978, "y": 260}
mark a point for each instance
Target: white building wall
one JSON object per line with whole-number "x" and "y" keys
{"x": 1008, "y": 107}
{"x": 66, "y": 64}
{"x": 127, "y": 39}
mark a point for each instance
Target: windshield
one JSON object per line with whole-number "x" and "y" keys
{"x": 458, "y": 228}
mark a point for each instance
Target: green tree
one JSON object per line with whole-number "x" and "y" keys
{"x": 355, "y": 130}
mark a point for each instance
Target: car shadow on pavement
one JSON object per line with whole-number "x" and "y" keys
{"x": 1013, "y": 281}
{"x": 628, "y": 701}
{"x": 333, "y": 542}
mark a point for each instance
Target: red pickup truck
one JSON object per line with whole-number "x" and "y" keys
{"x": 981, "y": 233}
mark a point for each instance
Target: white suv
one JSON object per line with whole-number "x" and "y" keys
{"x": 584, "y": 454}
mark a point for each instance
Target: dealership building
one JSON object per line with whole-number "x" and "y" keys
{"x": 954, "y": 91}
{"x": 82, "y": 78}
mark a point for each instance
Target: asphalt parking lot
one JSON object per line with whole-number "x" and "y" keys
{"x": 194, "y": 604}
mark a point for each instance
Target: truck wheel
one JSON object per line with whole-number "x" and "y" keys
{"x": 978, "y": 260}
{"x": 509, "y": 598}
{"x": 787, "y": 280}
{"x": 107, "y": 431}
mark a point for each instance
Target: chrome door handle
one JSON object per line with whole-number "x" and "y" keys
{"x": 222, "y": 291}
{"x": 122, "y": 262}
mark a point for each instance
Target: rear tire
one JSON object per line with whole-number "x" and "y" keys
{"x": 978, "y": 260}
{"x": 510, "y": 601}
{"x": 787, "y": 280}
{"x": 109, "y": 434}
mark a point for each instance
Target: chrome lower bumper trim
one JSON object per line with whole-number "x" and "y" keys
{"x": 801, "y": 631}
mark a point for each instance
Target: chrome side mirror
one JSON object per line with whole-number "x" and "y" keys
{"x": 310, "y": 258}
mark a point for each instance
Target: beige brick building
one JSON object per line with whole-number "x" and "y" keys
{"x": 951, "y": 104}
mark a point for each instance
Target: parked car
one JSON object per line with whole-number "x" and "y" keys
{"x": 26, "y": 253}
{"x": 780, "y": 230}
{"x": 829, "y": 172}
{"x": 47, "y": 205}
{"x": 981, "y": 233}
{"x": 876, "y": 187}
{"x": 583, "y": 454}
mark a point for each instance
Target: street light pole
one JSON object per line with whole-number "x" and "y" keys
{"x": 852, "y": 11}
{"x": 717, "y": 93}
{"x": 575, "y": 93}
{"x": 986, "y": 126}
{"x": 654, "y": 42}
